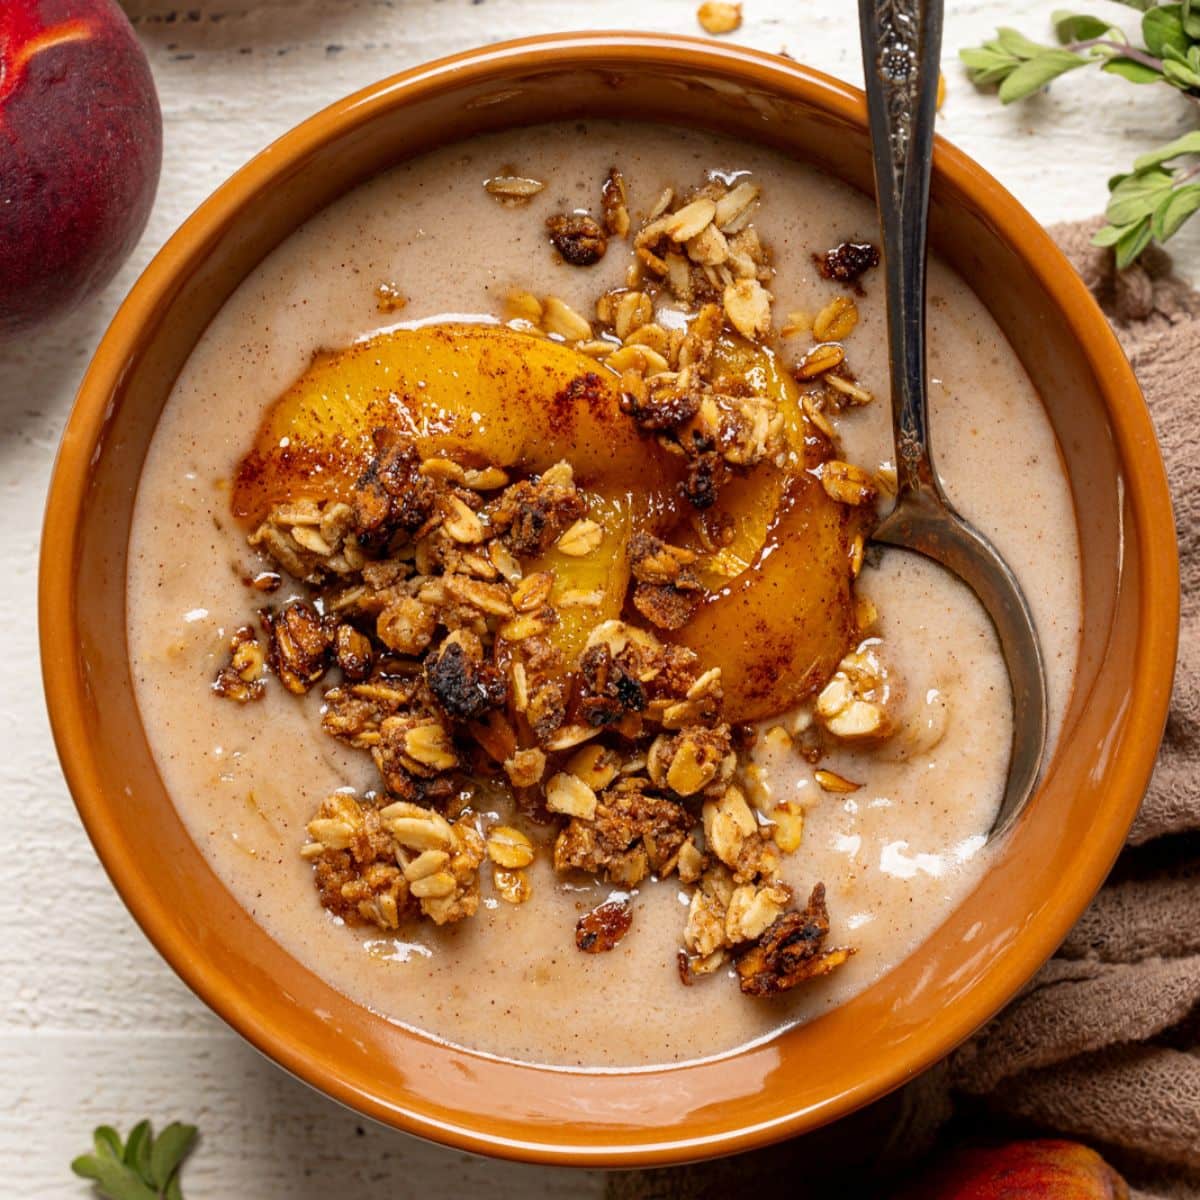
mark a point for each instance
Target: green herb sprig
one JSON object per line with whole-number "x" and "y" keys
{"x": 144, "y": 1167}
{"x": 1152, "y": 201}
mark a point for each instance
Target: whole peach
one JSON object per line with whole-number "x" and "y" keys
{"x": 1043, "y": 1169}
{"x": 80, "y": 152}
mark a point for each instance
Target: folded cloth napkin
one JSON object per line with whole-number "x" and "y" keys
{"x": 1104, "y": 1043}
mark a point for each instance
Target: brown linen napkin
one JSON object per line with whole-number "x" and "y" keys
{"x": 1104, "y": 1043}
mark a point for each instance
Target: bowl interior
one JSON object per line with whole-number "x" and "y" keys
{"x": 1054, "y": 858}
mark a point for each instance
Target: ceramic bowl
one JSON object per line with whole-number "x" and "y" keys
{"x": 1049, "y": 866}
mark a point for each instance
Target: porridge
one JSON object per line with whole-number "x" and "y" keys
{"x": 501, "y": 609}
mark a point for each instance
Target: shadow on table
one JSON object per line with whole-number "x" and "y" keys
{"x": 332, "y": 1150}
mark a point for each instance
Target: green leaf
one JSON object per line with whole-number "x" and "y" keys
{"x": 143, "y": 1167}
{"x": 983, "y": 58}
{"x": 1132, "y": 70}
{"x": 988, "y": 78}
{"x": 1137, "y": 196}
{"x": 1109, "y": 235}
{"x": 1174, "y": 210}
{"x": 137, "y": 1149}
{"x": 1140, "y": 5}
{"x": 1188, "y": 144}
{"x": 1078, "y": 27}
{"x": 1033, "y": 75}
{"x": 171, "y": 1147}
{"x": 996, "y": 75}
{"x": 1017, "y": 44}
{"x": 113, "y": 1179}
{"x": 1181, "y": 75}
{"x": 88, "y": 1166}
{"x": 108, "y": 1142}
{"x": 987, "y": 66}
{"x": 1132, "y": 243}
{"x": 1143, "y": 181}
{"x": 1163, "y": 27}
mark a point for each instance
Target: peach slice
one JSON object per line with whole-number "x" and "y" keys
{"x": 748, "y": 504}
{"x": 482, "y": 395}
{"x": 604, "y": 573}
{"x": 780, "y": 615}
{"x": 779, "y": 629}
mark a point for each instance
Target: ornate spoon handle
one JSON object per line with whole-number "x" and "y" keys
{"x": 901, "y": 41}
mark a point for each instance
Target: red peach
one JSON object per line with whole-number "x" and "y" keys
{"x": 80, "y": 152}
{"x": 1044, "y": 1169}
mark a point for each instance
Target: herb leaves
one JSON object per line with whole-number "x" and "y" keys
{"x": 1020, "y": 67}
{"x": 1152, "y": 201}
{"x": 144, "y": 1167}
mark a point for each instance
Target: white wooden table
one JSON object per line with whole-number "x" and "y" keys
{"x": 93, "y": 1025}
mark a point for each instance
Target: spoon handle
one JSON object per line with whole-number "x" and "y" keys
{"x": 901, "y": 41}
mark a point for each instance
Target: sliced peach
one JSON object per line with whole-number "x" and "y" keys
{"x": 602, "y": 575}
{"x": 778, "y": 630}
{"x": 780, "y": 613}
{"x": 482, "y": 395}
{"x": 748, "y": 504}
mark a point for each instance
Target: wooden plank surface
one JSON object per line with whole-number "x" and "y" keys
{"x": 93, "y": 1025}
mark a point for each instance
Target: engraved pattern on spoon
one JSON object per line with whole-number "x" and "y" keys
{"x": 900, "y": 29}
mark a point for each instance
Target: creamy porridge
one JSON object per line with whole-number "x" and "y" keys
{"x": 856, "y": 732}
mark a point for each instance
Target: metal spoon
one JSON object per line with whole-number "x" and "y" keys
{"x": 901, "y": 40}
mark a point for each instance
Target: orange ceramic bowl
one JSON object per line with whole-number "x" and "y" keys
{"x": 1051, "y": 863}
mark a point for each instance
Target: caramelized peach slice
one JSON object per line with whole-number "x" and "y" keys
{"x": 480, "y": 394}
{"x": 779, "y": 629}
{"x": 780, "y": 615}
{"x": 591, "y": 588}
{"x": 483, "y": 395}
{"x": 748, "y": 504}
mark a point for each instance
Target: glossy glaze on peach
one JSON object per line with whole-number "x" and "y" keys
{"x": 896, "y": 856}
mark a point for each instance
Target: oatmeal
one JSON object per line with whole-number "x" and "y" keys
{"x": 530, "y": 657}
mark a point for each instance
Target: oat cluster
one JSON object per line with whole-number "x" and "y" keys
{"x": 428, "y": 627}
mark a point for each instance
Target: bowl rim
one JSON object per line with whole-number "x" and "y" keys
{"x": 1148, "y": 504}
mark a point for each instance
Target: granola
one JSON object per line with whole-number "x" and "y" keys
{"x": 578, "y": 238}
{"x": 434, "y": 590}
{"x": 241, "y": 680}
{"x": 791, "y": 950}
{"x": 717, "y": 18}
{"x": 600, "y": 930}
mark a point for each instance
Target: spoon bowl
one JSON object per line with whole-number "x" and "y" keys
{"x": 900, "y": 47}
{"x": 924, "y": 522}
